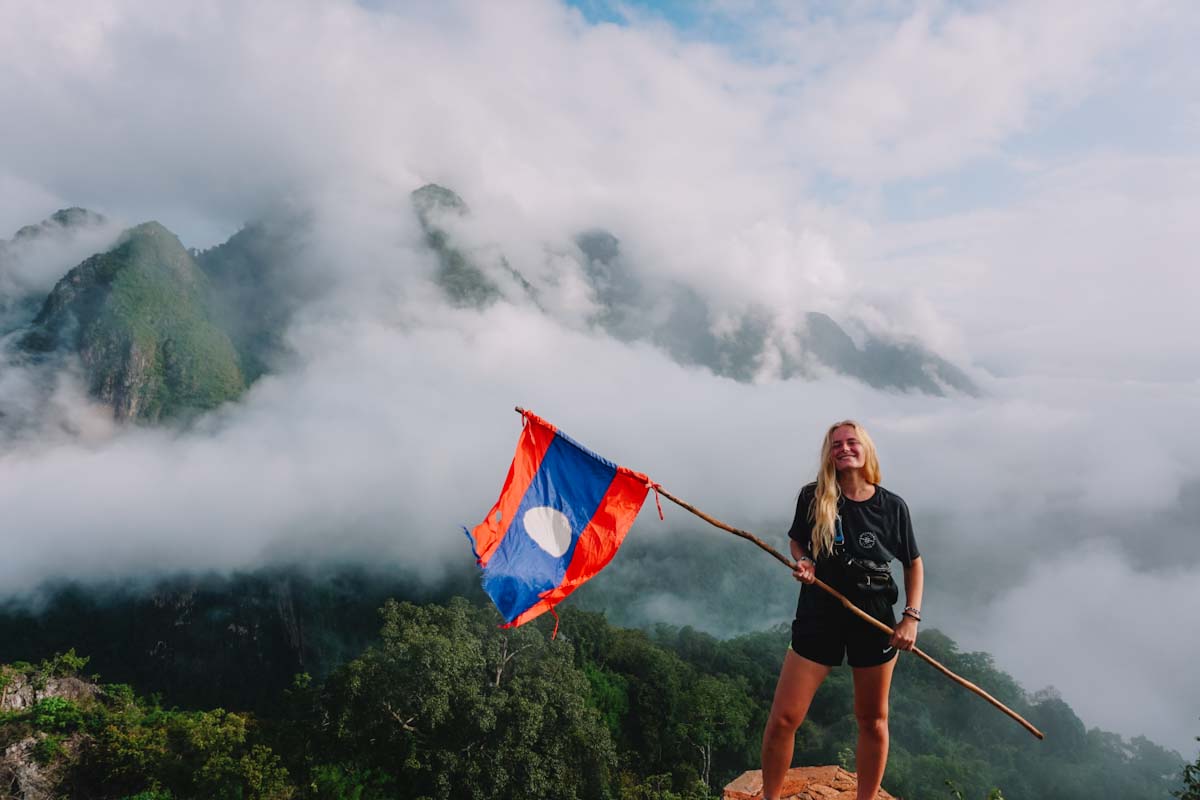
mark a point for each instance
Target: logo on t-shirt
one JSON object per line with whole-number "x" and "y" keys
{"x": 867, "y": 541}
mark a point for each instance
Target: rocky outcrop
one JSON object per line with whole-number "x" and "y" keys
{"x": 801, "y": 783}
{"x": 25, "y": 776}
{"x": 33, "y": 766}
{"x": 21, "y": 693}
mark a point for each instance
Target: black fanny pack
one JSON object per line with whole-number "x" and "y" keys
{"x": 871, "y": 577}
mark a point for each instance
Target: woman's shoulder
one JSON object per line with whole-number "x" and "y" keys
{"x": 889, "y": 497}
{"x": 808, "y": 489}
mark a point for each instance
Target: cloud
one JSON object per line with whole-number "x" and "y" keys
{"x": 757, "y": 181}
{"x": 923, "y": 87}
{"x": 1101, "y": 627}
{"x": 1084, "y": 277}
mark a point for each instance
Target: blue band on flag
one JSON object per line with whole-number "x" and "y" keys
{"x": 537, "y": 547}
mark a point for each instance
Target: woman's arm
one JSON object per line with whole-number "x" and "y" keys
{"x": 914, "y": 588}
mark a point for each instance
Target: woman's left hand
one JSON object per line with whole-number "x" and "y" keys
{"x": 905, "y": 636}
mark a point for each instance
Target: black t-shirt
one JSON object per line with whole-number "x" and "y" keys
{"x": 876, "y": 529}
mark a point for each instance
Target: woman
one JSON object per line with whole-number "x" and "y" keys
{"x": 847, "y": 528}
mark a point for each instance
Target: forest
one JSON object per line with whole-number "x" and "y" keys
{"x": 442, "y": 703}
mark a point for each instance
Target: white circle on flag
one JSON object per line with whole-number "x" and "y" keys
{"x": 549, "y": 528}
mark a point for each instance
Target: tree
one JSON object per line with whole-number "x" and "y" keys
{"x": 449, "y": 705}
{"x": 717, "y": 716}
{"x": 1191, "y": 780}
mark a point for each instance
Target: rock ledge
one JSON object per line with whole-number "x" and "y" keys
{"x": 801, "y": 783}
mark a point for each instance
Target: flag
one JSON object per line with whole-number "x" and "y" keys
{"x": 561, "y": 516}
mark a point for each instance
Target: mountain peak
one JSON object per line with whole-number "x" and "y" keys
{"x": 432, "y": 198}
{"x": 76, "y": 216}
{"x": 463, "y": 281}
{"x": 65, "y": 219}
{"x": 139, "y": 318}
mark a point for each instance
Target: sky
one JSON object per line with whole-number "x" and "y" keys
{"x": 1013, "y": 184}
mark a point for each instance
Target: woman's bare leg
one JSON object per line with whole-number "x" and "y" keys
{"x": 871, "y": 686}
{"x": 798, "y": 682}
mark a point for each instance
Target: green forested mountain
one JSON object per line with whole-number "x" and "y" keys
{"x": 140, "y": 318}
{"x": 440, "y": 702}
{"x": 162, "y": 332}
{"x": 634, "y": 306}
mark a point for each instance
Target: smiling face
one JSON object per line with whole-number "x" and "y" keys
{"x": 846, "y": 449}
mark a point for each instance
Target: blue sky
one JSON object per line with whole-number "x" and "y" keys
{"x": 679, "y": 13}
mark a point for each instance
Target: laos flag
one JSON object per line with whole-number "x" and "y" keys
{"x": 561, "y": 516}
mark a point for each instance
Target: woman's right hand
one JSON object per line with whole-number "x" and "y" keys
{"x": 805, "y": 571}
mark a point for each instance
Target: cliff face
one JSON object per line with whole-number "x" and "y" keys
{"x": 22, "y": 774}
{"x": 27, "y": 771}
{"x": 139, "y": 318}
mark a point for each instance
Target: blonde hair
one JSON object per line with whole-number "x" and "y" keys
{"x": 823, "y": 510}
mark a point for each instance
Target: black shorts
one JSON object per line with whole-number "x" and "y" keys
{"x": 835, "y": 634}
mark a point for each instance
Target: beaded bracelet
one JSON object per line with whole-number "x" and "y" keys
{"x": 911, "y": 613}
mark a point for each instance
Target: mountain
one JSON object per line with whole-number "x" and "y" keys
{"x": 231, "y": 640}
{"x": 64, "y": 219}
{"x": 463, "y": 280}
{"x": 140, "y": 318}
{"x": 164, "y": 333}
{"x": 634, "y": 306}
{"x": 38, "y": 255}
{"x": 256, "y": 289}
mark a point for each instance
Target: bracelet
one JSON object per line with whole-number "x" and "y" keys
{"x": 806, "y": 558}
{"x": 911, "y": 613}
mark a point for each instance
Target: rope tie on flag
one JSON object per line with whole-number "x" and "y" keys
{"x": 654, "y": 487}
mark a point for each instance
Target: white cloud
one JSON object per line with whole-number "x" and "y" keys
{"x": 1088, "y": 276}
{"x": 1094, "y": 628}
{"x": 932, "y": 85}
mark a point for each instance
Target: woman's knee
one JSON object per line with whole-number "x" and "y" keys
{"x": 873, "y": 725}
{"x": 783, "y": 723}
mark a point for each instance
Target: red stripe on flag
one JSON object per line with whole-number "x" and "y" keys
{"x": 599, "y": 541}
{"x": 531, "y": 448}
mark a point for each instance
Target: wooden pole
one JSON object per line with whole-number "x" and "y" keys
{"x": 853, "y": 609}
